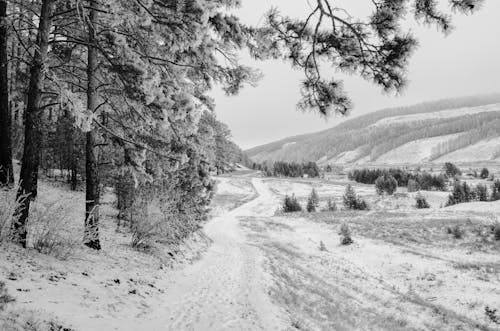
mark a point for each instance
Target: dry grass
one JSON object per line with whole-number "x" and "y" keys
{"x": 28, "y": 320}
{"x": 52, "y": 231}
{"x": 409, "y": 228}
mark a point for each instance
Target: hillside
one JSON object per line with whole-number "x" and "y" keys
{"x": 461, "y": 129}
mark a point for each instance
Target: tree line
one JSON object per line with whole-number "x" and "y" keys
{"x": 289, "y": 169}
{"x": 423, "y": 180}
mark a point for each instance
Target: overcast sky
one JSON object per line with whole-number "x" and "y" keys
{"x": 466, "y": 62}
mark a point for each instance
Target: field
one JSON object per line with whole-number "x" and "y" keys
{"x": 256, "y": 268}
{"x": 405, "y": 271}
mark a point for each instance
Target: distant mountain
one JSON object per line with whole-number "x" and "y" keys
{"x": 460, "y": 130}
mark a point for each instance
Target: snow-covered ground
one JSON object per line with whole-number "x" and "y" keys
{"x": 255, "y": 269}
{"x": 484, "y": 150}
{"x": 415, "y": 151}
{"x": 438, "y": 115}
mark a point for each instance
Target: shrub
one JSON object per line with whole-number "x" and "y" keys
{"x": 413, "y": 186}
{"x": 386, "y": 184}
{"x": 421, "y": 202}
{"x": 5, "y": 298}
{"x": 144, "y": 232}
{"x": 331, "y": 205}
{"x": 492, "y": 314}
{"x": 485, "y": 173}
{"x": 291, "y": 204}
{"x": 457, "y": 232}
{"x": 345, "y": 234}
{"x": 496, "y": 231}
{"x": 322, "y": 246}
{"x": 312, "y": 201}
{"x": 51, "y": 231}
{"x": 451, "y": 170}
{"x": 352, "y": 201}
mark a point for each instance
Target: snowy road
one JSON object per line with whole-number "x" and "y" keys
{"x": 227, "y": 289}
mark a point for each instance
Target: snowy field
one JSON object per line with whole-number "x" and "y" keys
{"x": 254, "y": 268}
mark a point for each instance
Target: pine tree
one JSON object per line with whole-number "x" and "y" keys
{"x": 313, "y": 201}
{"x": 375, "y": 48}
{"x": 32, "y": 117}
{"x": 6, "y": 168}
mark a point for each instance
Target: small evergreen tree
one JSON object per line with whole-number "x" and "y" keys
{"x": 345, "y": 235}
{"x": 352, "y": 201}
{"x": 313, "y": 201}
{"x": 421, "y": 202}
{"x": 350, "y": 197}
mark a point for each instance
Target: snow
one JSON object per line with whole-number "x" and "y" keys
{"x": 482, "y": 151}
{"x": 415, "y": 151}
{"x": 119, "y": 288}
{"x": 437, "y": 115}
{"x": 346, "y": 157}
{"x": 253, "y": 270}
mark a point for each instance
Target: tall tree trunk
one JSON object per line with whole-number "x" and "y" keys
{"x": 32, "y": 119}
{"x": 91, "y": 166}
{"x": 6, "y": 169}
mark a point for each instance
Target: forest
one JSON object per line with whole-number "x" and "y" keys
{"x": 114, "y": 94}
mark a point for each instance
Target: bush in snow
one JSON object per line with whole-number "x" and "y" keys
{"x": 457, "y": 232}
{"x": 421, "y": 202}
{"x": 291, "y": 204}
{"x": 51, "y": 230}
{"x": 386, "y": 184}
{"x": 322, "y": 246}
{"x": 5, "y": 298}
{"x": 496, "y": 231}
{"x": 485, "y": 173}
{"x": 331, "y": 205}
{"x": 345, "y": 234}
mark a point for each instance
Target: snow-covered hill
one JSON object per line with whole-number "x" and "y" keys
{"x": 457, "y": 130}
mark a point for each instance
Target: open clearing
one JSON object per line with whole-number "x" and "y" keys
{"x": 256, "y": 269}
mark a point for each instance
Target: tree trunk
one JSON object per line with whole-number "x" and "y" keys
{"x": 32, "y": 117}
{"x": 91, "y": 165}
{"x": 6, "y": 169}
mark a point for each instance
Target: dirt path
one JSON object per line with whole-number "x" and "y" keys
{"x": 227, "y": 288}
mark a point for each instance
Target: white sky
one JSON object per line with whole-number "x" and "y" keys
{"x": 466, "y": 62}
